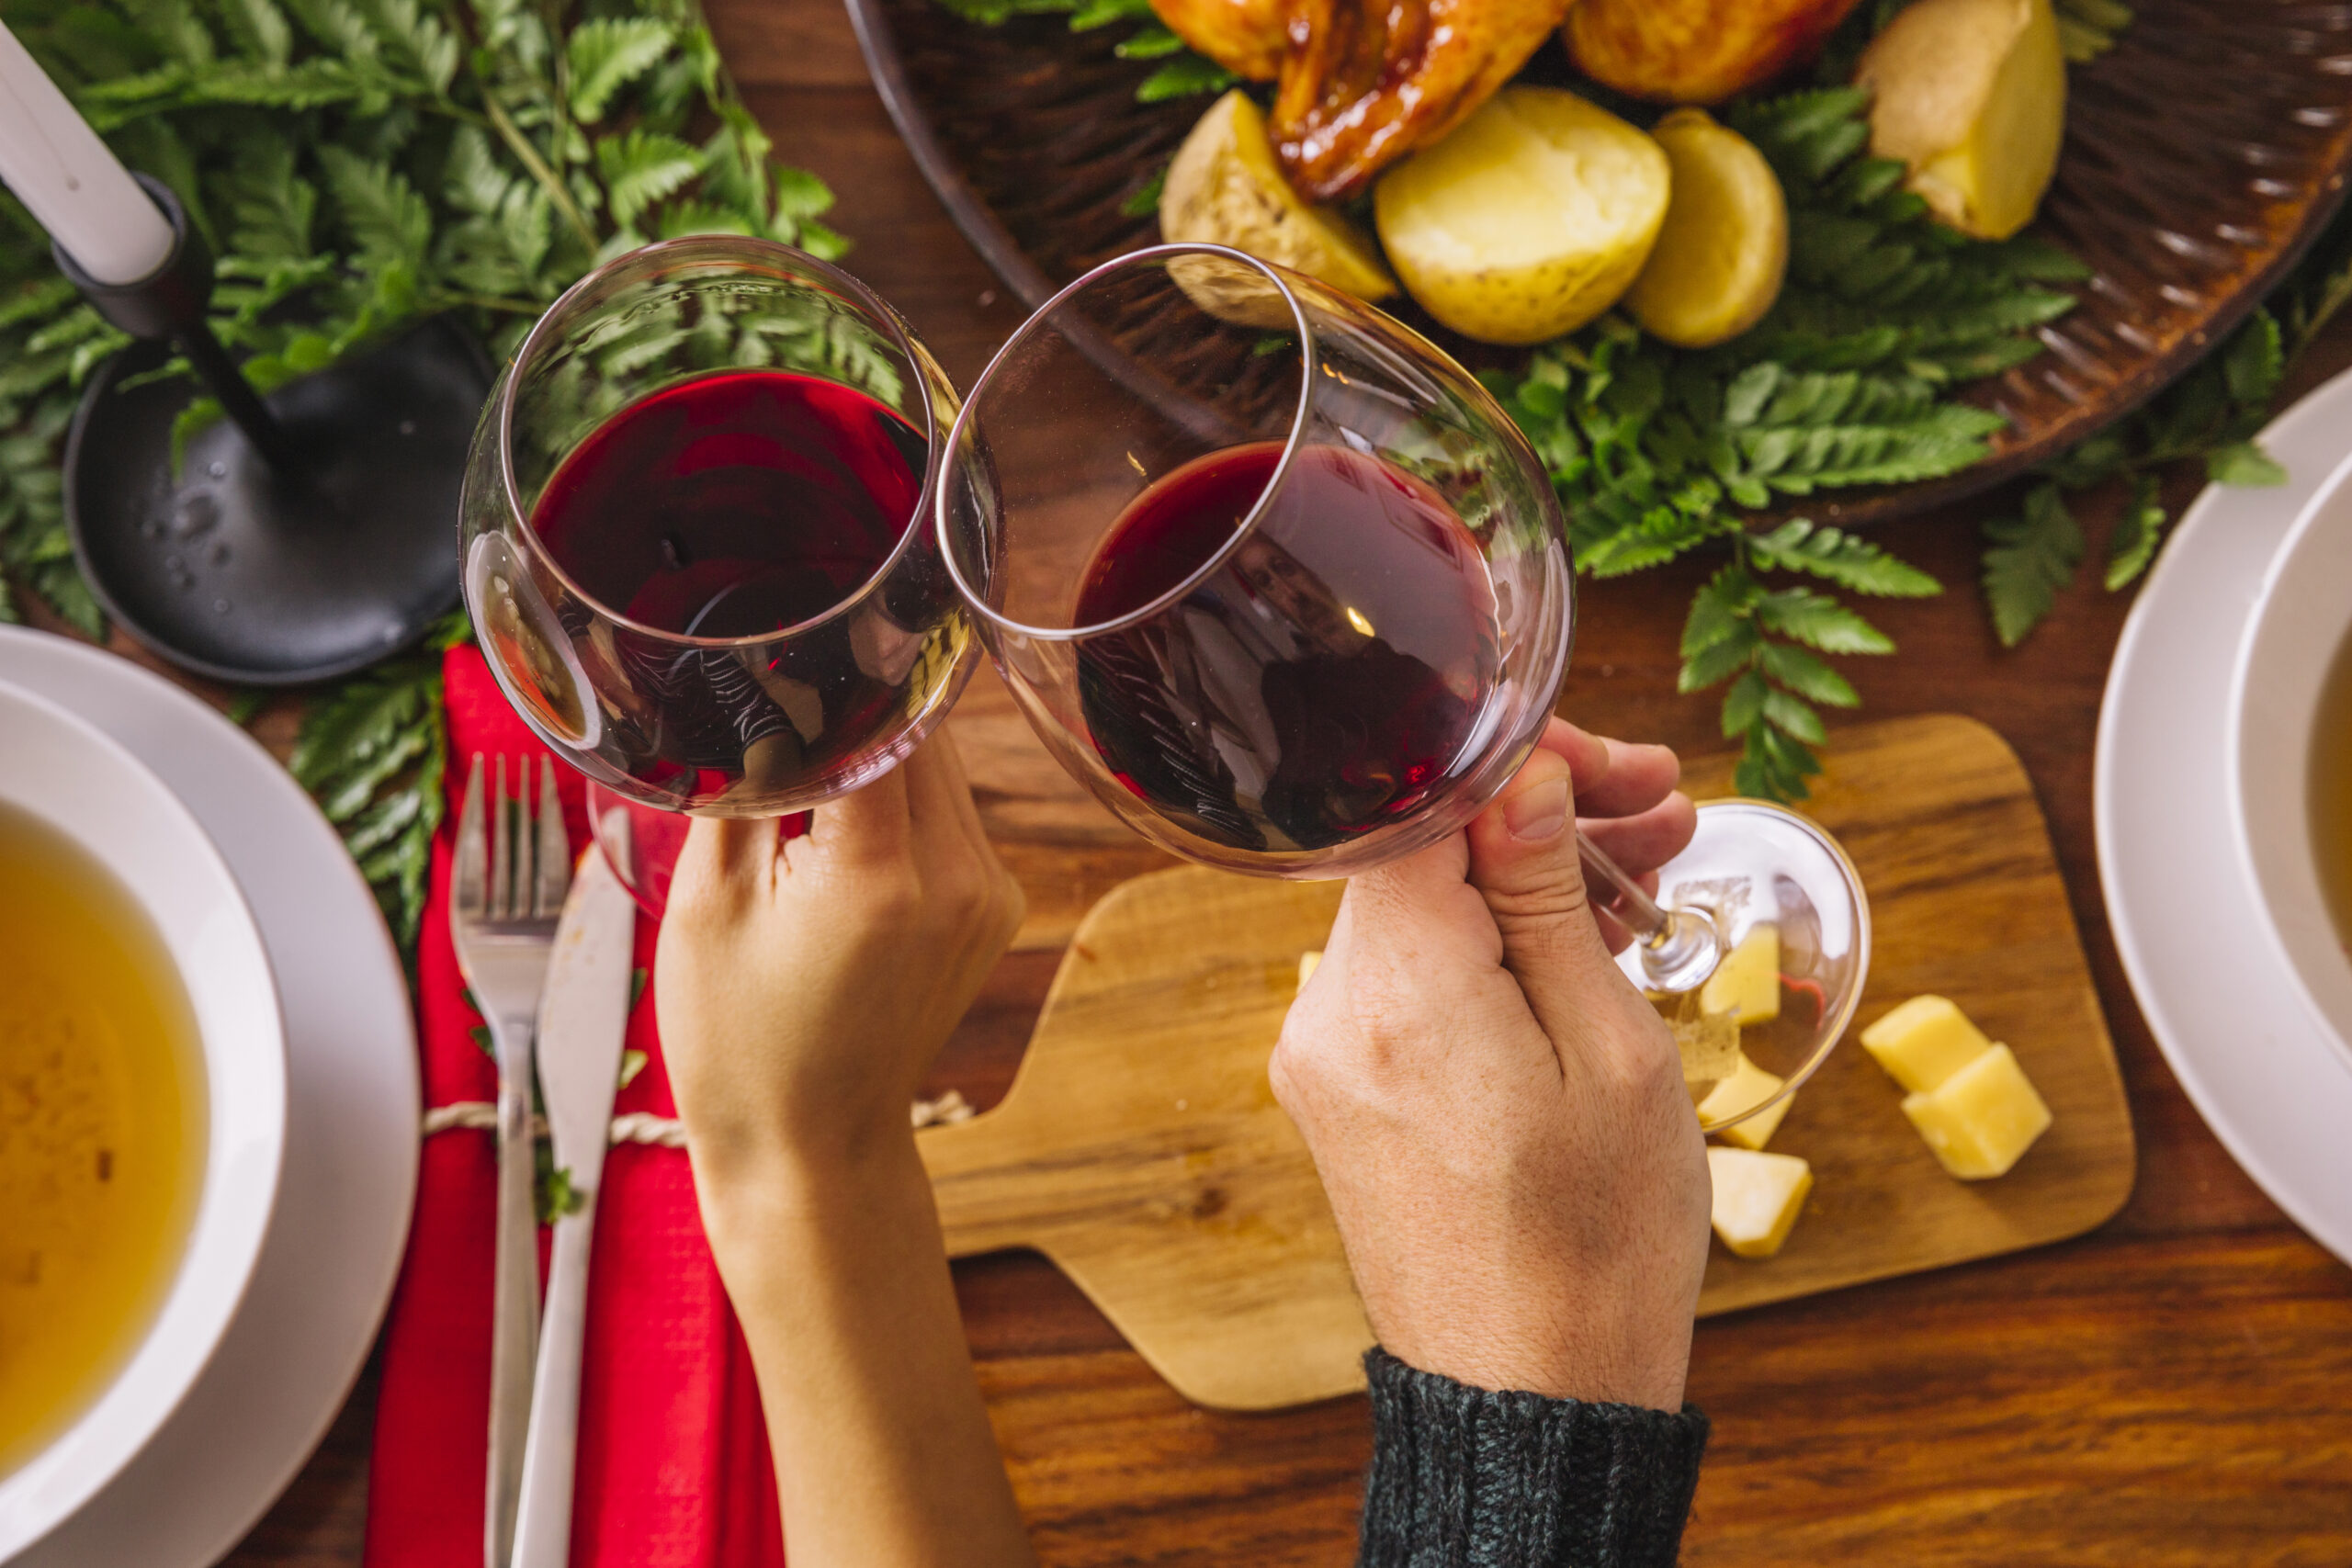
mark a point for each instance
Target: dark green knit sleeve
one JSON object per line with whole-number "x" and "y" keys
{"x": 1463, "y": 1477}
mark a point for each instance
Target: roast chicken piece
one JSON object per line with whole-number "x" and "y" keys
{"x": 1246, "y": 37}
{"x": 1365, "y": 82}
{"x": 1696, "y": 51}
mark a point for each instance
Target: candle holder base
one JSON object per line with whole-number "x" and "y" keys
{"x": 235, "y": 570}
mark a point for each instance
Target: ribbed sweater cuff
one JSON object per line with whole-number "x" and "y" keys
{"x": 1463, "y": 1477}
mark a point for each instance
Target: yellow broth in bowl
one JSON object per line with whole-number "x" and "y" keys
{"x": 2331, "y": 792}
{"x": 102, "y": 1119}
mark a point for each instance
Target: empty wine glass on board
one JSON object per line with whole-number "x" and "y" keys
{"x": 1278, "y": 582}
{"x": 692, "y": 540}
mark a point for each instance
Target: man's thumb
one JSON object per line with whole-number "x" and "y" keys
{"x": 1523, "y": 861}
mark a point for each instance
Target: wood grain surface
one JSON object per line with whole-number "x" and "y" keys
{"x": 2174, "y": 1391}
{"x": 1141, "y": 1150}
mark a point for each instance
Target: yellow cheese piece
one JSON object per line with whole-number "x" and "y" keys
{"x": 1709, "y": 1043}
{"x": 1924, "y": 1042}
{"x": 1306, "y": 963}
{"x": 1758, "y": 1197}
{"x": 1748, "y": 1085}
{"x": 1980, "y": 1120}
{"x": 1747, "y": 983}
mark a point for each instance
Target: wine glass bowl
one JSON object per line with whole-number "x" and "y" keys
{"x": 1270, "y": 574}
{"x": 692, "y": 531}
{"x": 1751, "y": 863}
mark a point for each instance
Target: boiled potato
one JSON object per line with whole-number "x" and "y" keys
{"x": 1695, "y": 51}
{"x": 1971, "y": 95}
{"x": 1225, "y": 189}
{"x": 1724, "y": 248}
{"x": 1527, "y": 222}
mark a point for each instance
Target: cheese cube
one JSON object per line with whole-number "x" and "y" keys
{"x": 1710, "y": 1045}
{"x": 1924, "y": 1042}
{"x": 1980, "y": 1120}
{"x": 1758, "y": 1197}
{"x": 1306, "y": 963}
{"x": 1748, "y": 1085}
{"x": 1748, "y": 982}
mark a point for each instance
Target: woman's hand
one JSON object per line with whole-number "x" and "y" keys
{"x": 805, "y": 984}
{"x": 1498, "y": 1114}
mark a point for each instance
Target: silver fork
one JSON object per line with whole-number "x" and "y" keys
{"x": 511, "y": 874}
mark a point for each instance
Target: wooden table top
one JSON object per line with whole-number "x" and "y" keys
{"x": 2174, "y": 1389}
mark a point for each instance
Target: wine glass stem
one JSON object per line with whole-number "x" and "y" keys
{"x": 1635, "y": 910}
{"x": 1679, "y": 948}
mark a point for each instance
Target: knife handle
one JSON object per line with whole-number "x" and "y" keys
{"x": 543, "y": 1525}
{"x": 514, "y": 1309}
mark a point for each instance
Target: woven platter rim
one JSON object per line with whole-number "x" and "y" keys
{"x": 987, "y": 233}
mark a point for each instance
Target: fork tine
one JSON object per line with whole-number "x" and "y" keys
{"x": 469, "y": 889}
{"x": 502, "y": 849}
{"x": 554, "y": 878}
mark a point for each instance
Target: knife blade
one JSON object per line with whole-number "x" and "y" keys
{"x": 583, "y": 1023}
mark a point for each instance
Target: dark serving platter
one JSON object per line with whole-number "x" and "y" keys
{"x": 2202, "y": 154}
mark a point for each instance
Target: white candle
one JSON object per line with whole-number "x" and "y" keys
{"x": 75, "y": 187}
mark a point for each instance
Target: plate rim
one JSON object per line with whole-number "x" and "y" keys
{"x": 2154, "y": 986}
{"x": 986, "y": 233}
{"x": 173, "y": 1531}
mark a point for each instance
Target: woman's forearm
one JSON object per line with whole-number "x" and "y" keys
{"x": 884, "y": 1455}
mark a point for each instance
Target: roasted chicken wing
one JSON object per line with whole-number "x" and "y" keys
{"x": 1246, "y": 37}
{"x": 1696, "y": 51}
{"x": 1365, "y": 82}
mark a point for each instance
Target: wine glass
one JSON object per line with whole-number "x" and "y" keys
{"x": 691, "y": 540}
{"x": 1278, "y": 582}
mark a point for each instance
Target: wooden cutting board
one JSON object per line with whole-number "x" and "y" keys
{"x": 1140, "y": 1148}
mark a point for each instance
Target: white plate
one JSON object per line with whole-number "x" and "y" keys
{"x": 341, "y": 1221}
{"x": 124, "y": 816}
{"x": 2228, "y": 1016}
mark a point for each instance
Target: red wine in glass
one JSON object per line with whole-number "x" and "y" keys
{"x": 1326, "y": 679}
{"x": 741, "y": 504}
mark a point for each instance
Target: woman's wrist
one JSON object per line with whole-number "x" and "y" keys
{"x": 755, "y": 1192}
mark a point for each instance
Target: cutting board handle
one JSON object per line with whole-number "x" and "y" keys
{"x": 981, "y": 1207}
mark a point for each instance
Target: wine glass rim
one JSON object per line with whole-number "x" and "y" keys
{"x": 733, "y": 245}
{"x": 1249, "y": 524}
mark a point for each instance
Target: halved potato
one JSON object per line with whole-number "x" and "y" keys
{"x": 1725, "y": 247}
{"x": 1527, "y": 222}
{"x": 1971, "y": 95}
{"x": 1225, "y": 189}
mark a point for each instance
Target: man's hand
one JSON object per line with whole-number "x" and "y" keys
{"x": 1498, "y": 1114}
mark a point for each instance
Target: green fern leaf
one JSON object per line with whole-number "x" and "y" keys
{"x": 1840, "y": 558}
{"x": 607, "y": 54}
{"x": 2137, "y": 531}
{"x": 642, "y": 167}
{"x": 2028, "y": 559}
{"x": 260, "y": 31}
{"x": 1153, "y": 42}
{"x": 1819, "y": 621}
{"x": 1187, "y": 75}
{"x": 382, "y": 210}
{"x": 800, "y": 195}
{"x": 1801, "y": 673}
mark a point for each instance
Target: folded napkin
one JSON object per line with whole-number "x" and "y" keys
{"x": 673, "y": 1469}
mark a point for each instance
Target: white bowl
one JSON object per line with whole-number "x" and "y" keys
{"x": 61, "y": 770}
{"x": 2300, "y": 620}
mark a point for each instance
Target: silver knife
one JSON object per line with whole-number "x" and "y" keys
{"x": 583, "y": 1017}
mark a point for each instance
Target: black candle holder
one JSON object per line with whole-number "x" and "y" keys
{"x": 305, "y": 534}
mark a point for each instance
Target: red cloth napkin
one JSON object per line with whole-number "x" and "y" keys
{"x": 673, "y": 1469}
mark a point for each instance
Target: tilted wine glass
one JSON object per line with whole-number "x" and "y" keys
{"x": 694, "y": 538}
{"x": 1278, "y": 582}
